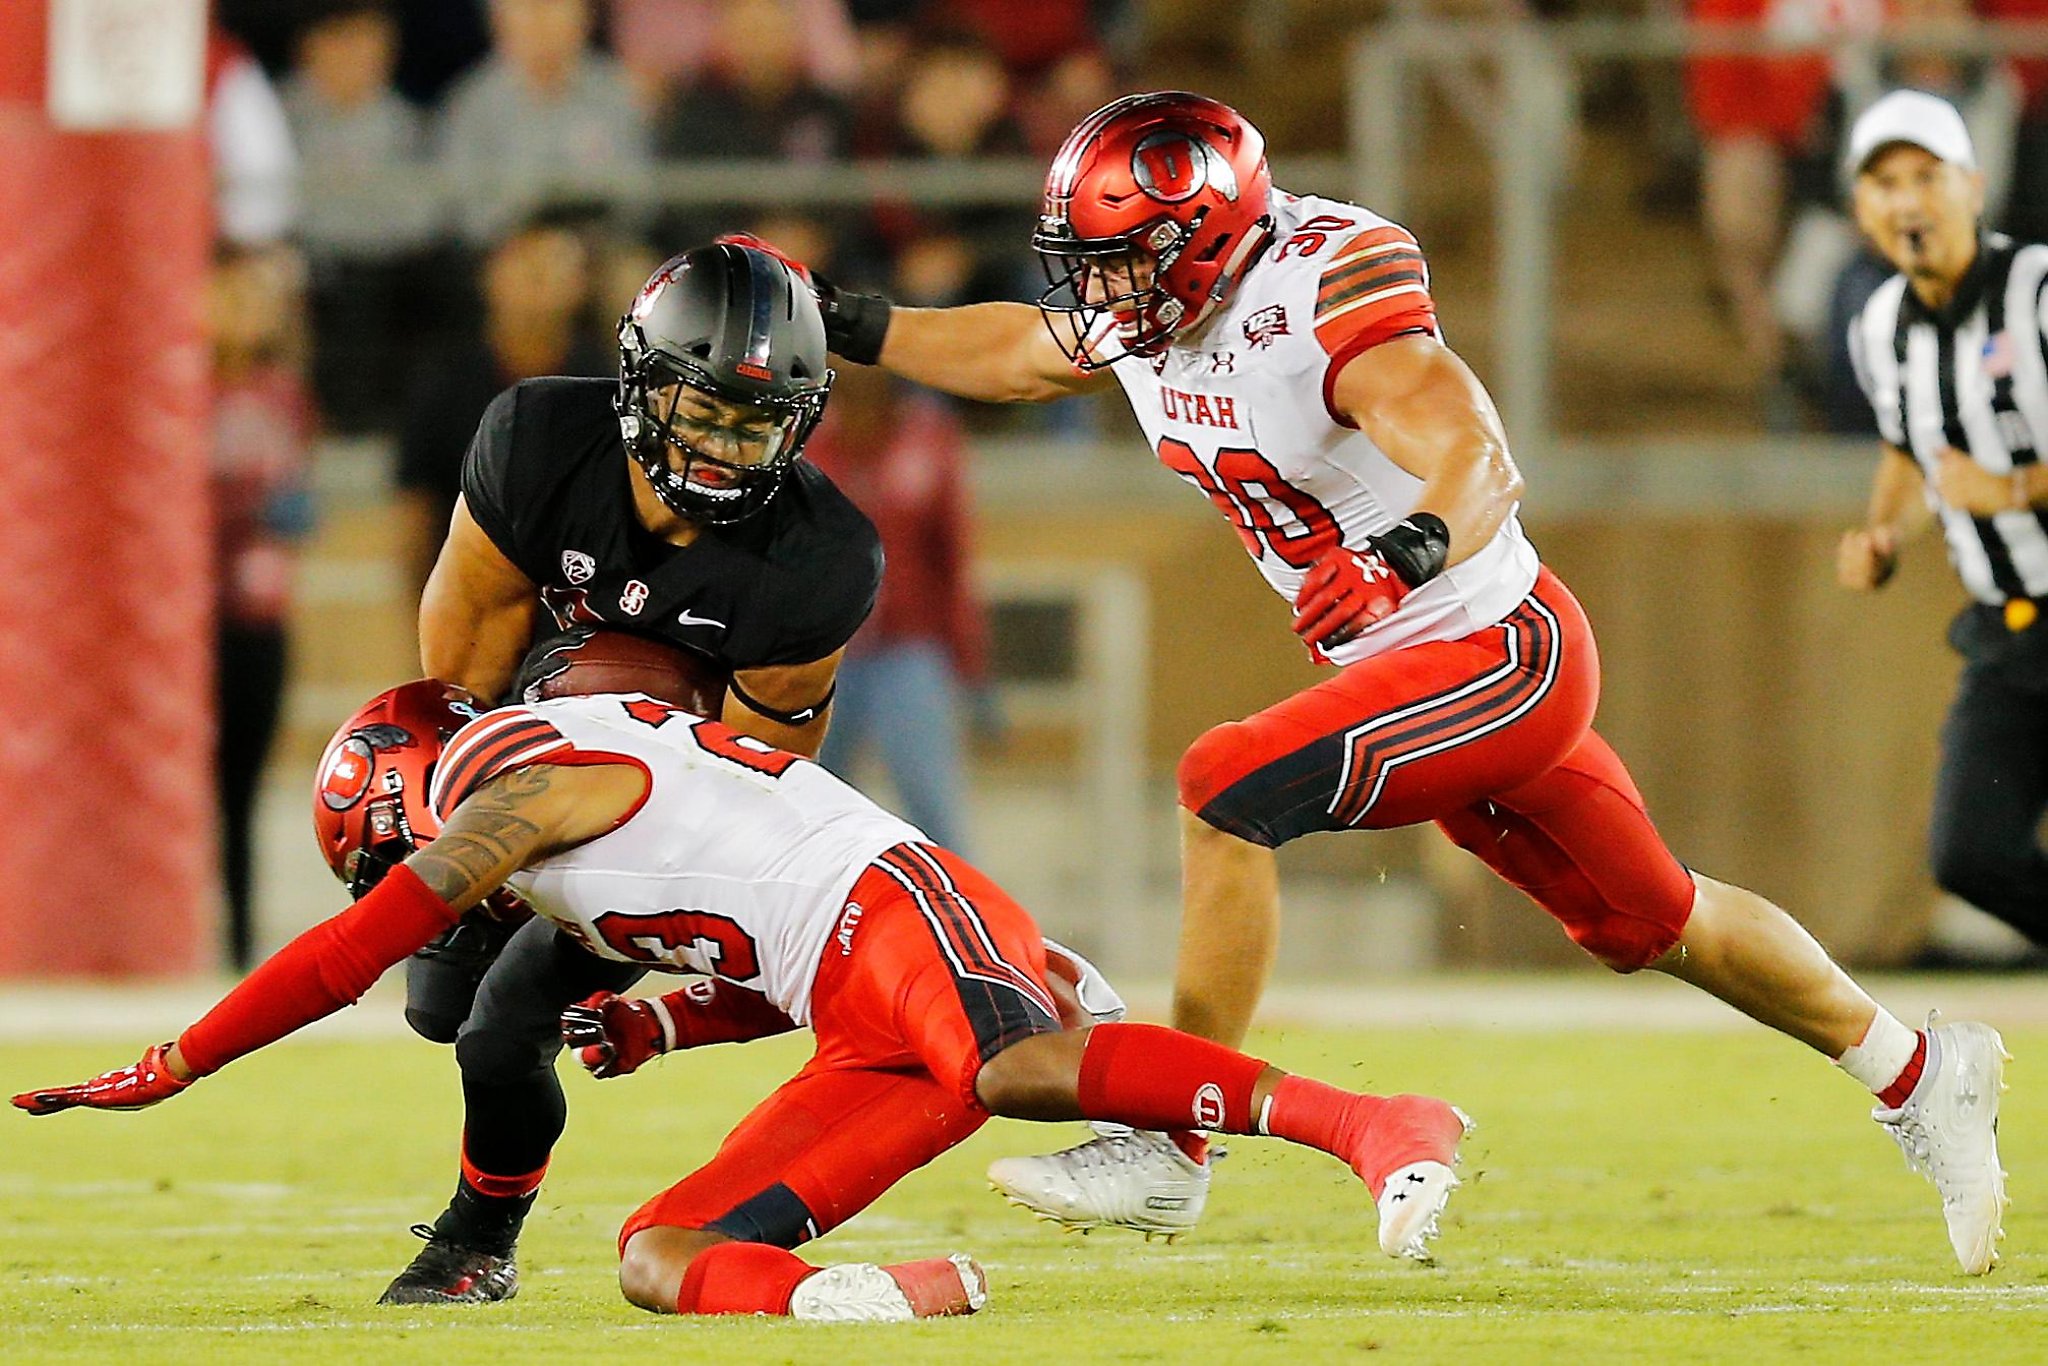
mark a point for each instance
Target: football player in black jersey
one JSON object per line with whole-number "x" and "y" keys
{"x": 672, "y": 503}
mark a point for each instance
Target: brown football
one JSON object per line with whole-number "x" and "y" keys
{"x": 581, "y": 662}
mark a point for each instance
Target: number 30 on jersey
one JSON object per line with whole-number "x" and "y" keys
{"x": 1271, "y": 515}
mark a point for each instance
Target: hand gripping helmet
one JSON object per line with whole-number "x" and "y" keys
{"x": 370, "y": 809}
{"x": 1169, "y": 181}
{"x": 722, "y": 377}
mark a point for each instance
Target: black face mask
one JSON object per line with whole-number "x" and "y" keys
{"x": 653, "y": 421}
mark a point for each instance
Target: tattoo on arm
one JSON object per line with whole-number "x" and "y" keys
{"x": 489, "y": 837}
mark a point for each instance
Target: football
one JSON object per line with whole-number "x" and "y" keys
{"x": 583, "y": 661}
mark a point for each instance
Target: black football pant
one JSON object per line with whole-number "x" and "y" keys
{"x": 513, "y": 1107}
{"x": 1993, "y": 790}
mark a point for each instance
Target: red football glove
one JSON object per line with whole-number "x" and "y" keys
{"x": 614, "y": 1035}
{"x": 747, "y": 239}
{"x": 134, "y": 1087}
{"x": 1342, "y": 594}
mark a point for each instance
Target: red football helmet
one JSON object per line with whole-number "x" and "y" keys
{"x": 1154, "y": 208}
{"x": 370, "y": 806}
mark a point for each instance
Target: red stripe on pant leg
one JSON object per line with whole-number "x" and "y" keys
{"x": 1523, "y": 690}
{"x": 973, "y": 921}
{"x": 934, "y": 901}
{"x": 1372, "y": 754}
{"x": 963, "y": 924}
{"x": 1369, "y": 751}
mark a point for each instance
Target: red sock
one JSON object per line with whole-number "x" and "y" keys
{"x": 1318, "y": 1115}
{"x": 1151, "y": 1077}
{"x": 1893, "y": 1096}
{"x": 741, "y": 1278}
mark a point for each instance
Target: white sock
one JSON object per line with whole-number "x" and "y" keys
{"x": 1887, "y": 1046}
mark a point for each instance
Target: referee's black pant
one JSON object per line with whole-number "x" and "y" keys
{"x": 1993, "y": 786}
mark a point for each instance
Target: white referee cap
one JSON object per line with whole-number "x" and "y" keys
{"x": 1926, "y": 121}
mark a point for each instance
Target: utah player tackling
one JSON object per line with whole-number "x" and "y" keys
{"x": 661, "y": 840}
{"x": 1282, "y": 355}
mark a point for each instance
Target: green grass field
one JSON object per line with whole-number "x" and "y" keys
{"x": 1655, "y": 1197}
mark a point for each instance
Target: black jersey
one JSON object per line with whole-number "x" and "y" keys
{"x": 546, "y": 478}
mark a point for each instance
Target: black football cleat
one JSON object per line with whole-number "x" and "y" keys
{"x": 447, "y": 1272}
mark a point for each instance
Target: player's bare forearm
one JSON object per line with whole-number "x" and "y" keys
{"x": 477, "y": 613}
{"x": 787, "y": 706}
{"x": 994, "y": 352}
{"x": 489, "y": 837}
{"x": 1429, "y": 413}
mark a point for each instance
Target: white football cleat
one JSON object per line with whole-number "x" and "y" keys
{"x": 861, "y": 1292}
{"x": 1405, "y": 1158}
{"x": 1410, "y": 1205}
{"x": 1948, "y": 1130}
{"x": 1136, "y": 1179}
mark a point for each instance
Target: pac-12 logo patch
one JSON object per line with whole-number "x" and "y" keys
{"x": 577, "y": 567}
{"x": 1209, "y": 1106}
{"x": 633, "y": 597}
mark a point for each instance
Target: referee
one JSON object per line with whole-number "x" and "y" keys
{"x": 1949, "y": 352}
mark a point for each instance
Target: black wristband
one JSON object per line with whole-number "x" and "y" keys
{"x": 802, "y": 716}
{"x": 855, "y": 324}
{"x": 1416, "y": 548}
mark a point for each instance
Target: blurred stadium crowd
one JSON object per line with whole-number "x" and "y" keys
{"x": 412, "y": 151}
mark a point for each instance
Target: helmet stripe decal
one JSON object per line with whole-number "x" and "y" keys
{"x": 763, "y": 289}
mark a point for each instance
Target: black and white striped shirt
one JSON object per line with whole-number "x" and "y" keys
{"x": 1973, "y": 376}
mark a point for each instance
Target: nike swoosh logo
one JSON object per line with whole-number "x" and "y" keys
{"x": 688, "y": 618}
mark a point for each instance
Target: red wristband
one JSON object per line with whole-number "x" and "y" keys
{"x": 324, "y": 969}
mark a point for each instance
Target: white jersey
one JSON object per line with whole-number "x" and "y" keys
{"x": 737, "y": 864}
{"x": 1240, "y": 409}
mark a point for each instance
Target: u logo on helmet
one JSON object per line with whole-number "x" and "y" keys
{"x": 1173, "y": 167}
{"x": 345, "y": 779}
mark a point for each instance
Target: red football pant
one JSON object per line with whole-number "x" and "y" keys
{"x": 1490, "y": 736}
{"x": 931, "y": 971}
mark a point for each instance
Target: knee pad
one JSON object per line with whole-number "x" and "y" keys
{"x": 438, "y": 997}
{"x": 431, "y": 1027}
{"x": 1212, "y": 780}
{"x": 1205, "y": 768}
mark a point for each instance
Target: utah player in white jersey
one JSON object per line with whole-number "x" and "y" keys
{"x": 1282, "y": 354}
{"x": 671, "y": 842}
